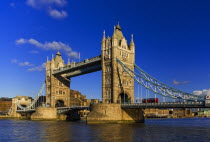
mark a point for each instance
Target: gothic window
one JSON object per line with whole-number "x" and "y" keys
{"x": 108, "y": 81}
{"x": 108, "y": 69}
{"x": 119, "y": 43}
{"x": 124, "y": 47}
{"x": 124, "y": 82}
{"x": 108, "y": 93}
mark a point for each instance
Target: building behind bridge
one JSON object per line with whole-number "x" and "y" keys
{"x": 5, "y": 104}
{"x": 77, "y": 99}
{"x": 168, "y": 113}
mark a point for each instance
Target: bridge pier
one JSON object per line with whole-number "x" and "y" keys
{"x": 45, "y": 113}
{"x": 113, "y": 113}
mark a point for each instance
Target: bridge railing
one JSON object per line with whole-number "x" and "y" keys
{"x": 74, "y": 65}
{"x": 165, "y": 105}
{"x": 65, "y": 109}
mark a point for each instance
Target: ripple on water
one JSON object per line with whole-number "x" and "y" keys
{"x": 153, "y": 130}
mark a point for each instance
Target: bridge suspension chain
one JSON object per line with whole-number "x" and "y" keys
{"x": 32, "y": 105}
{"x": 156, "y": 86}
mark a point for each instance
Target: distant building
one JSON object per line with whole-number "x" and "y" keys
{"x": 5, "y": 104}
{"x": 77, "y": 99}
{"x": 168, "y": 113}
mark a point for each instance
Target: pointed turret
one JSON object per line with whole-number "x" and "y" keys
{"x": 103, "y": 41}
{"x": 118, "y": 33}
{"x": 104, "y": 36}
{"x": 132, "y": 42}
{"x": 58, "y": 57}
{"x": 68, "y": 61}
{"x": 52, "y": 58}
{"x": 58, "y": 60}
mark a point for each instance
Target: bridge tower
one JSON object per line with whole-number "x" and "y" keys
{"x": 57, "y": 87}
{"x": 117, "y": 85}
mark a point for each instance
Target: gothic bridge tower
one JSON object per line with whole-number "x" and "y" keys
{"x": 117, "y": 85}
{"x": 57, "y": 87}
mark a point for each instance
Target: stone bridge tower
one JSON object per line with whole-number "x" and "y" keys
{"x": 117, "y": 85}
{"x": 57, "y": 87}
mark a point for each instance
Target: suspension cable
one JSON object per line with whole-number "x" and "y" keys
{"x": 150, "y": 83}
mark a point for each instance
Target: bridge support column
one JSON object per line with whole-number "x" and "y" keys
{"x": 113, "y": 113}
{"x": 45, "y": 113}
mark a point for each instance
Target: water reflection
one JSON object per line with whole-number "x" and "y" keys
{"x": 161, "y": 130}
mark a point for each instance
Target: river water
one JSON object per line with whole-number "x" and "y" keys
{"x": 153, "y": 130}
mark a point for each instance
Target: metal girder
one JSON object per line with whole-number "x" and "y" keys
{"x": 84, "y": 70}
{"x": 157, "y": 86}
{"x": 77, "y": 66}
{"x": 32, "y": 105}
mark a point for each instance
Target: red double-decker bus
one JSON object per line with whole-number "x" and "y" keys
{"x": 150, "y": 100}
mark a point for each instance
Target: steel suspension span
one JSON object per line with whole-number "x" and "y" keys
{"x": 156, "y": 86}
{"x": 32, "y": 105}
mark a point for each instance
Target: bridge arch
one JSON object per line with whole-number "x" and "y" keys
{"x": 59, "y": 103}
{"x": 124, "y": 98}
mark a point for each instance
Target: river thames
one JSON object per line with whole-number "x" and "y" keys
{"x": 153, "y": 130}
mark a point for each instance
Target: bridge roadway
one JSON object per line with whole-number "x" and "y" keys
{"x": 166, "y": 105}
{"x": 80, "y": 68}
{"x": 60, "y": 110}
{"x": 63, "y": 110}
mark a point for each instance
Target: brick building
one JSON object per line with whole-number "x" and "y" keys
{"x": 77, "y": 99}
{"x": 5, "y": 104}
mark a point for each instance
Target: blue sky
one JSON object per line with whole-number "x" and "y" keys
{"x": 172, "y": 40}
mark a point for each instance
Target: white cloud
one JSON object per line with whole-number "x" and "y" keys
{"x": 203, "y": 92}
{"x": 26, "y": 63}
{"x": 175, "y": 82}
{"x": 38, "y": 68}
{"x": 20, "y": 41}
{"x": 50, "y": 6}
{"x": 57, "y": 14}
{"x": 45, "y": 3}
{"x": 73, "y": 54}
{"x": 54, "y": 45}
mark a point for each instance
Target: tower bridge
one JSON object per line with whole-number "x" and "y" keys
{"x": 119, "y": 72}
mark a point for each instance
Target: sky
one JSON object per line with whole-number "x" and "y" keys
{"x": 172, "y": 40}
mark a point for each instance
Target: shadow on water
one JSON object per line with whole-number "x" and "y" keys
{"x": 153, "y": 130}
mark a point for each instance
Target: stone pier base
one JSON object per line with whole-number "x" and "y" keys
{"x": 112, "y": 113}
{"x": 45, "y": 113}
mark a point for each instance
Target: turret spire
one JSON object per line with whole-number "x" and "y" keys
{"x": 118, "y": 32}
{"x": 132, "y": 41}
{"x": 104, "y": 34}
{"x": 52, "y": 57}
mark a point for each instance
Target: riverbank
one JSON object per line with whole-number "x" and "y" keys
{"x": 6, "y": 117}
